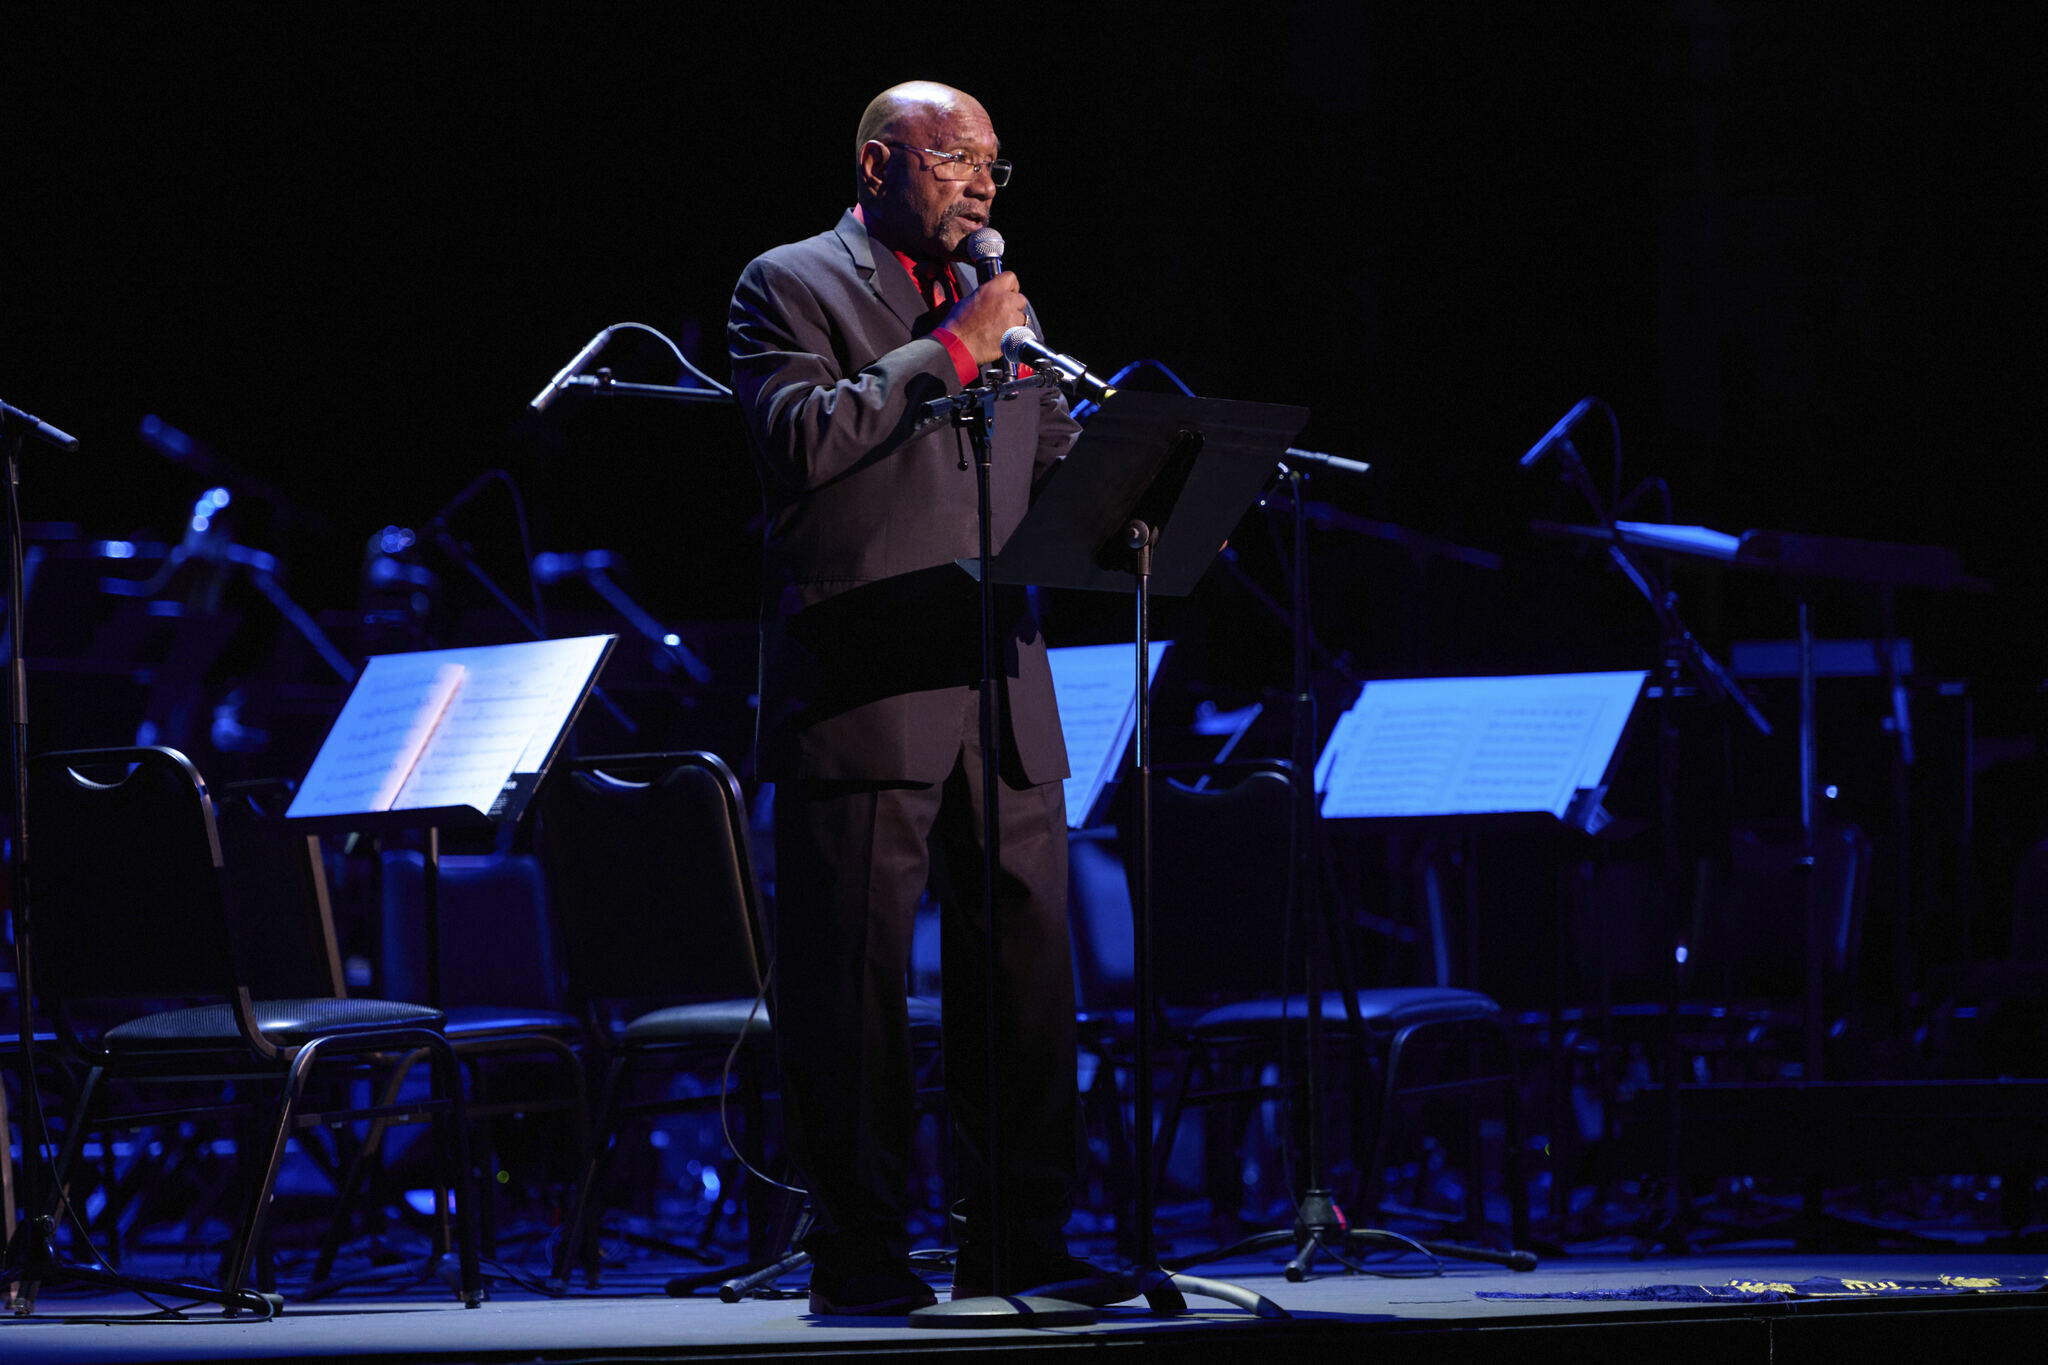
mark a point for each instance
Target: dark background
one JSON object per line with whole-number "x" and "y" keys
{"x": 1793, "y": 245}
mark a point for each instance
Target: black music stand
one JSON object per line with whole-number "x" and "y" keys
{"x": 1142, "y": 505}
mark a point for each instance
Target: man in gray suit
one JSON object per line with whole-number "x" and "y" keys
{"x": 870, "y": 667}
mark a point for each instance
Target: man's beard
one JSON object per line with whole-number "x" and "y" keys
{"x": 955, "y": 217}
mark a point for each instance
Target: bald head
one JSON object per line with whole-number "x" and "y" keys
{"x": 909, "y": 141}
{"x": 907, "y": 112}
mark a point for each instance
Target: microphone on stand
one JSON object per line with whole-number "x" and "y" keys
{"x": 593, "y": 567}
{"x": 1020, "y": 345}
{"x": 1557, "y": 433}
{"x": 985, "y": 248}
{"x": 35, "y": 426}
{"x": 575, "y": 366}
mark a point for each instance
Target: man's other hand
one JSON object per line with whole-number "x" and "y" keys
{"x": 980, "y": 319}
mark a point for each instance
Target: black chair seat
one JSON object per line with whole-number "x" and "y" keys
{"x": 1384, "y": 1010}
{"x": 703, "y": 1021}
{"x": 471, "y": 1021}
{"x": 287, "y": 1023}
{"x": 719, "y": 1020}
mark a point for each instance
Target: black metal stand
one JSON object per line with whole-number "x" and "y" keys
{"x": 31, "y": 1257}
{"x": 973, "y": 410}
{"x": 1679, "y": 653}
{"x": 458, "y": 554}
{"x": 1164, "y": 1291}
{"x": 1319, "y": 1223}
{"x": 1141, "y": 505}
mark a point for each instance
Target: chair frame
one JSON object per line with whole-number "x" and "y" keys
{"x": 1418, "y": 1017}
{"x": 184, "y": 1045}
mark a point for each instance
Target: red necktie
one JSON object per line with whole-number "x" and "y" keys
{"x": 934, "y": 281}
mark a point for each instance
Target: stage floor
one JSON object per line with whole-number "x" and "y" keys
{"x": 1434, "y": 1319}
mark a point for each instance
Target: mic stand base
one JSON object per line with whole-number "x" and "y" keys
{"x": 1318, "y": 1223}
{"x": 32, "y": 1260}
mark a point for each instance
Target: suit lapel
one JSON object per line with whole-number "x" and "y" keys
{"x": 886, "y": 280}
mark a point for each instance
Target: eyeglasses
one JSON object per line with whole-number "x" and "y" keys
{"x": 956, "y": 166}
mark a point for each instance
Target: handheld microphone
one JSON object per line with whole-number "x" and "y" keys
{"x": 1556, "y": 433}
{"x": 577, "y": 362}
{"x": 985, "y": 249}
{"x": 1020, "y": 346}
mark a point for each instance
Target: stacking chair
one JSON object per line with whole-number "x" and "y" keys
{"x": 652, "y": 882}
{"x": 1220, "y": 877}
{"x": 132, "y": 914}
{"x": 501, "y": 993}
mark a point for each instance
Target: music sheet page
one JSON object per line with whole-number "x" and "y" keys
{"x": 1098, "y": 700}
{"x": 513, "y": 699}
{"x": 1474, "y": 746}
{"x": 390, "y": 716}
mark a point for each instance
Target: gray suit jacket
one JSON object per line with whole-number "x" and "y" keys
{"x": 870, "y": 638}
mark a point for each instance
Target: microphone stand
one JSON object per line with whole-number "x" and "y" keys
{"x": 973, "y": 410}
{"x": 30, "y": 1257}
{"x": 459, "y": 555}
{"x": 602, "y": 385}
{"x": 1678, "y": 651}
{"x": 1319, "y": 1224}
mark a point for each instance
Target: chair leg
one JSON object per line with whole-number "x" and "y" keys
{"x": 1162, "y": 1144}
{"x": 1511, "y": 1155}
{"x": 577, "y": 1114}
{"x": 597, "y": 1162}
{"x": 455, "y": 1125}
{"x": 24, "y": 1291}
{"x": 1372, "y": 1179}
{"x": 486, "y": 1161}
{"x": 7, "y": 1176}
{"x": 357, "y": 1175}
{"x": 761, "y": 1199}
{"x": 236, "y": 1269}
{"x": 74, "y": 1136}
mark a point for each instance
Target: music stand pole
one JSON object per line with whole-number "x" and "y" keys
{"x": 1140, "y": 538}
{"x": 1141, "y": 505}
{"x": 1317, "y": 1219}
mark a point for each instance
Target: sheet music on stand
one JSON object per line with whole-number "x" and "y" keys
{"x": 449, "y": 736}
{"x": 1478, "y": 746}
{"x": 1098, "y": 701}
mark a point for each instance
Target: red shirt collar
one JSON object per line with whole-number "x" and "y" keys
{"x": 910, "y": 263}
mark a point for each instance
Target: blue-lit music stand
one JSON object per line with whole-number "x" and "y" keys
{"x": 516, "y": 786}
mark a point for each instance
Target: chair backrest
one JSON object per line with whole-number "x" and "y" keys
{"x": 651, "y": 877}
{"x": 497, "y": 943}
{"x": 2029, "y": 941}
{"x": 1752, "y": 944}
{"x": 1220, "y": 868}
{"x": 125, "y": 878}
